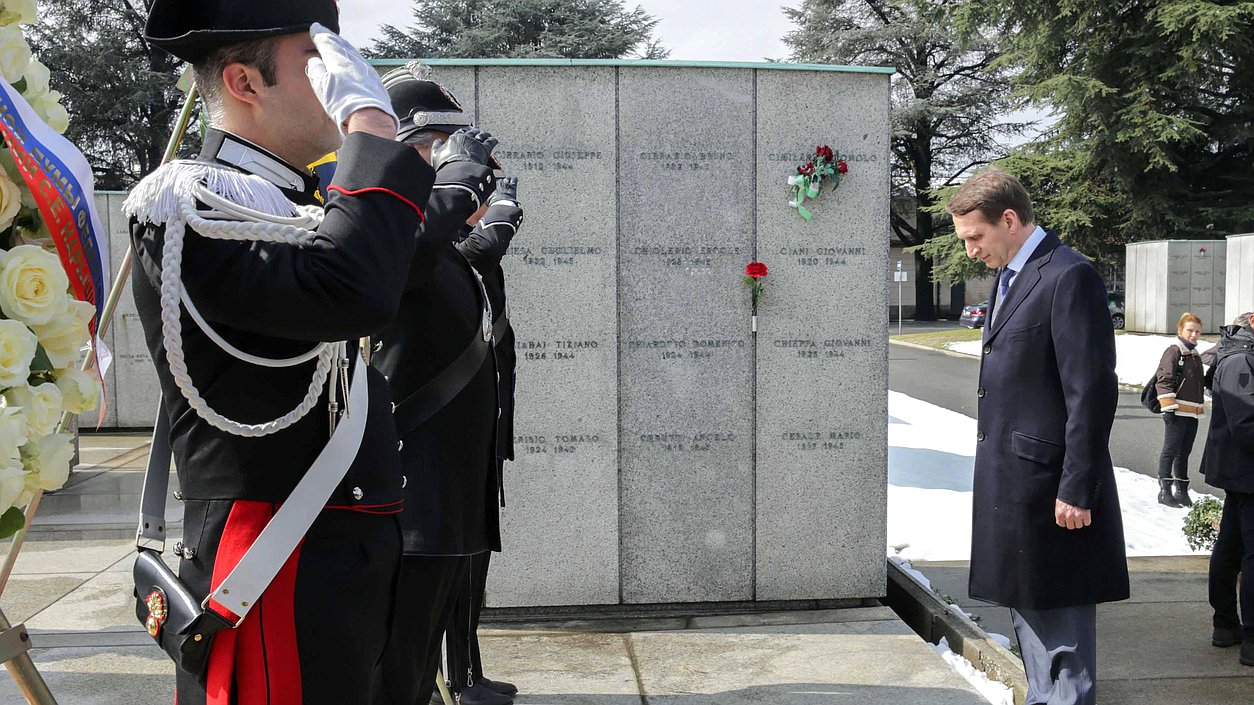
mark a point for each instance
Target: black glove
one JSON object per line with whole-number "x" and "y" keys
{"x": 506, "y": 190}
{"x": 467, "y": 145}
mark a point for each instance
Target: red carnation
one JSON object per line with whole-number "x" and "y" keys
{"x": 826, "y": 152}
{"x": 806, "y": 169}
{"x": 842, "y": 167}
{"x": 755, "y": 270}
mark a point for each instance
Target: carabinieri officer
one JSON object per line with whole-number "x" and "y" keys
{"x": 484, "y": 246}
{"x": 439, "y": 362}
{"x": 244, "y": 433}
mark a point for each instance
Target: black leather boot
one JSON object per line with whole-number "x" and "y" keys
{"x": 1247, "y": 652}
{"x": 478, "y": 694}
{"x": 1181, "y": 493}
{"x": 1165, "y": 495}
{"x": 1223, "y": 637}
{"x": 499, "y": 686}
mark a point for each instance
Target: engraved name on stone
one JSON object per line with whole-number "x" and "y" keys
{"x": 556, "y": 159}
{"x": 831, "y": 348}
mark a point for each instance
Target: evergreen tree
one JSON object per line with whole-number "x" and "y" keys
{"x": 950, "y": 99}
{"x": 1155, "y": 137}
{"x": 119, "y": 90}
{"x": 490, "y": 29}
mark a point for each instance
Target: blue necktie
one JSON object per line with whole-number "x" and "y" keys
{"x": 1003, "y": 286}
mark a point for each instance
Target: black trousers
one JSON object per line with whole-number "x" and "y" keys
{"x": 465, "y": 663}
{"x": 1234, "y": 554}
{"x": 1178, "y": 434}
{"x": 338, "y": 588}
{"x": 428, "y": 588}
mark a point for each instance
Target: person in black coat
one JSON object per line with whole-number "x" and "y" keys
{"x": 1228, "y": 463}
{"x": 484, "y": 246}
{"x": 278, "y": 301}
{"x": 1047, "y": 534}
{"x": 438, "y": 359}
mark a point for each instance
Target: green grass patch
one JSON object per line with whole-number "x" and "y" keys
{"x": 939, "y": 338}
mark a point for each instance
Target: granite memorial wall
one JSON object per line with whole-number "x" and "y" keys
{"x": 665, "y": 452}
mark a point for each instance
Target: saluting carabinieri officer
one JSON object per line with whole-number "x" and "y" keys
{"x": 281, "y": 89}
{"x": 484, "y": 246}
{"x": 439, "y": 362}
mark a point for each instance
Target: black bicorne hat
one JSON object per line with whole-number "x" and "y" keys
{"x": 421, "y": 103}
{"x": 191, "y": 29}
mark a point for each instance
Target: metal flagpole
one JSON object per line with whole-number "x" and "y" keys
{"x": 15, "y": 656}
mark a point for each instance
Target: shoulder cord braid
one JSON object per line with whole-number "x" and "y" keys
{"x": 261, "y": 227}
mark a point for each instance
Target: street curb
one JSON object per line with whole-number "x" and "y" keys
{"x": 931, "y": 618}
{"x": 1122, "y": 387}
{"x": 929, "y": 348}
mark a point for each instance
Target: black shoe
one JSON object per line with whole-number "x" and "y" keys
{"x": 1247, "y": 652}
{"x": 1181, "y": 493}
{"x": 1224, "y": 637}
{"x": 499, "y": 686}
{"x": 1165, "y": 496}
{"x": 479, "y": 694}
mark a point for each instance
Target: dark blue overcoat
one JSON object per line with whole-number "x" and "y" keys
{"x": 1047, "y": 400}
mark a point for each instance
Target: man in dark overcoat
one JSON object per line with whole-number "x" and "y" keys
{"x": 1047, "y": 534}
{"x": 438, "y": 359}
{"x": 1228, "y": 464}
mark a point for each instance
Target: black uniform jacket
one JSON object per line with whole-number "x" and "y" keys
{"x": 484, "y": 246}
{"x": 276, "y": 300}
{"x": 1047, "y": 400}
{"x": 448, "y": 460}
{"x": 1228, "y": 462}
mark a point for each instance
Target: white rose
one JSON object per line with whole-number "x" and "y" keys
{"x": 66, "y": 334}
{"x": 54, "y": 114}
{"x": 37, "y": 80}
{"x": 10, "y": 200}
{"x": 42, "y": 406}
{"x": 32, "y": 285}
{"x": 48, "y": 461}
{"x": 12, "y": 484}
{"x": 12, "y": 430}
{"x": 14, "y": 53}
{"x": 22, "y": 11}
{"x": 80, "y": 391}
{"x": 17, "y": 351}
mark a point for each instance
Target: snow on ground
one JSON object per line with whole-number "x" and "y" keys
{"x": 993, "y": 691}
{"x": 1136, "y": 356}
{"x": 931, "y": 459}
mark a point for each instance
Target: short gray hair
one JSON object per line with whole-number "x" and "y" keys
{"x": 426, "y": 138}
{"x": 1244, "y": 320}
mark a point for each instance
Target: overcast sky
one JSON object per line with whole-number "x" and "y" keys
{"x": 694, "y": 30}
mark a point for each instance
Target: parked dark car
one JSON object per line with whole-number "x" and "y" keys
{"x": 973, "y": 316}
{"x": 1114, "y": 302}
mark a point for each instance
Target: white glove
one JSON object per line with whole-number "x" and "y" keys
{"x": 342, "y": 79}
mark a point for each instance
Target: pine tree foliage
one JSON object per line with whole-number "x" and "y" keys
{"x": 491, "y": 29}
{"x": 950, "y": 98}
{"x": 119, "y": 90}
{"x": 1155, "y": 137}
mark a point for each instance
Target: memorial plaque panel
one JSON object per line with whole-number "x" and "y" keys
{"x": 89, "y": 419}
{"x": 821, "y": 367}
{"x": 686, "y": 234}
{"x": 561, "y": 525}
{"x": 135, "y": 379}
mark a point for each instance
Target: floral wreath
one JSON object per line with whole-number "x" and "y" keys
{"x": 808, "y": 181}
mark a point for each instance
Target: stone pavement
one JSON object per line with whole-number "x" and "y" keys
{"x": 1153, "y": 649}
{"x": 71, "y": 587}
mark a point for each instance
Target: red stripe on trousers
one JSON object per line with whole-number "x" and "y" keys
{"x": 258, "y": 662}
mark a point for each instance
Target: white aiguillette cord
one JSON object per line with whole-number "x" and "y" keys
{"x": 252, "y": 575}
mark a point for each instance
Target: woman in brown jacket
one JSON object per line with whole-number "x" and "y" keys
{"x": 1181, "y": 393}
